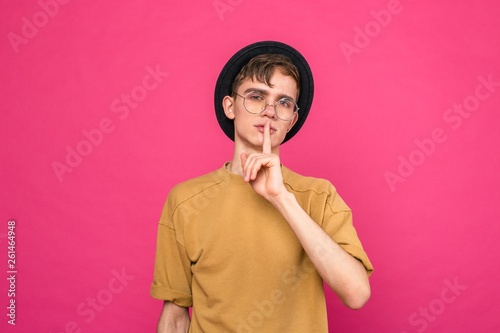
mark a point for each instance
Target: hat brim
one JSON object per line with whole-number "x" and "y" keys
{"x": 241, "y": 58}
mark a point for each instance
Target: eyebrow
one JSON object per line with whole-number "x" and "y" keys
{"x": 266, "y": 93}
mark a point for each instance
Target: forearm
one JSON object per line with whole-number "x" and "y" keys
{"x": 344, "y": 274}
{"x": 173, "y": 319}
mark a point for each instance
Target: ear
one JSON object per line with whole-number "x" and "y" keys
{"x": 228, "y": 105}
{"x": 292, "y": 122}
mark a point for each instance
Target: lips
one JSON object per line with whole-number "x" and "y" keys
{"x": 261, "y": 129}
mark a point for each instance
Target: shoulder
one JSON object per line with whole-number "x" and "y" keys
{"x": 315, "y": 188}
{"x": 300, "y": 183}
{"x": 193, "y": 187}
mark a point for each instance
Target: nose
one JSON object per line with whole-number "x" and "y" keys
{"x": 267, "y": 111}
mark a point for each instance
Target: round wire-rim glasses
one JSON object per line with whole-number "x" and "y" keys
{"x": 254, "y": 102}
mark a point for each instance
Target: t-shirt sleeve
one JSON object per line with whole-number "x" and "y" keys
{"x": 172, "y": 271}
{"x": 338, "y": 223}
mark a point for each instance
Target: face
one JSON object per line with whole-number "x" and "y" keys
{"x": 249, "y": 127}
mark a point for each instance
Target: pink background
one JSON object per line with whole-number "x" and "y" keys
{"x": 379, "y": 95}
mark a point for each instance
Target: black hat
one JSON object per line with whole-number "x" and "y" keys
{"x": 240, "y": 59}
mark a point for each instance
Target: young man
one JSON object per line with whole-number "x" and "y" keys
{"x": 249, "y": 246}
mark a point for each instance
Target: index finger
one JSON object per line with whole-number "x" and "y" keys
{"x": 266, "y": 144}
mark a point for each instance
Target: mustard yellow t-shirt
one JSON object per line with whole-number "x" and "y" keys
{"x": 228, "y": 253}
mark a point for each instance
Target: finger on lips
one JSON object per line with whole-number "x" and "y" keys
{"x": 266, "y": 142}
{"x": 251, "y": 164}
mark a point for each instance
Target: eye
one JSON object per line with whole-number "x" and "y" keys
{"x": 286, "y": 103}
{"x": 255, "y": 96}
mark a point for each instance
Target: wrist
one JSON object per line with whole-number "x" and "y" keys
{"x": 283, "y": 200}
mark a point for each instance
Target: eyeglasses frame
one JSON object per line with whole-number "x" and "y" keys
{"x": 295, "y": 112}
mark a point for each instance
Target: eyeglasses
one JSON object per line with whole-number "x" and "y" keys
{"x": 255, "y": 102}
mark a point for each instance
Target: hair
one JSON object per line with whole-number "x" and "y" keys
{"x": 262, "y": 67}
